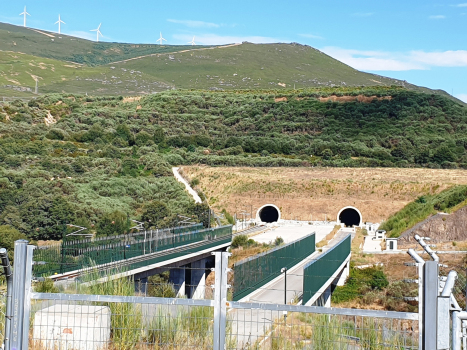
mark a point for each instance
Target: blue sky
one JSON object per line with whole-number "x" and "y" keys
{"x": 423, "y": 42}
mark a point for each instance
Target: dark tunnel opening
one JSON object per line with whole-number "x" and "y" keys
{"x": 349, "y": 217}
{"x": 269, "y": 214}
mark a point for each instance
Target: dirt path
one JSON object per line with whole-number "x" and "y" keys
{"x": 172, "y": 53}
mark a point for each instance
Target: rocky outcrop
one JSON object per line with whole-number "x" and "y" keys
{"x": 440, "y": 228}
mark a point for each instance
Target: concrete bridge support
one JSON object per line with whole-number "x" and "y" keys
{"x": 177, "y": 277}
{"x": 188, "y": 277}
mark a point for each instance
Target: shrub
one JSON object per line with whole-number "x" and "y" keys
{"x": 278, "y": 241}
{"x": 46, "y": 286}
{"x": 239, "y": 241}
{"x": 8, "y": 236}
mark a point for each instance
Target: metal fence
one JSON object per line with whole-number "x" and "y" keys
{"x": 318, "y": 272}
{"x": 118, "y": 316}
{"x": 79, "y": 254}
{"x": 255, "y": 272}
{"x": 269, "y": 326}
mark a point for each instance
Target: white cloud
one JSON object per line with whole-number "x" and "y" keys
{"x": 363, "y": 14}
{"x": 83, "y": 35}
{"x": 462, "y": 97}
{"x": 441, "y": 59}
{"x": 194, "y": 24}
{"x": 311, "y": 36}
{"x": 213, "y": 39}
{"x": 461, "y": 5}
{"x": 397, "y": 61}
{"x": 371, "y": 60}
{"x": 437, "y": 17}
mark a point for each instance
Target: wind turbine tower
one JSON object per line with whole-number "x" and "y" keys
{"x": 192, "y": 42}
{"x": 97, "y": 31}
{"x": 59, "y": 22}
{"x": 160, "y": 39}
{"x": 25, "y": 13}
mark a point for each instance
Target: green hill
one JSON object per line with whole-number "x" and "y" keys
{"x": 67, "y": 64}
{"x": 62, "y": 47}
{"x": 71, "y": 158}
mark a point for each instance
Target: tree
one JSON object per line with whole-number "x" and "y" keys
{"x": 443, "y": 154}
{"x": 114, "y": 223}
{"x": 8, "y": 236}
{"x": 154, "y": 214}
{"x": 159, "y": 135}
{"x": 326, "y": 154}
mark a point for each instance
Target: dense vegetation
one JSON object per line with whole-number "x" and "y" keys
{"x": 423, "y": 207}
{"x": 103, "y": 159}
{"x": 371, "y": 286}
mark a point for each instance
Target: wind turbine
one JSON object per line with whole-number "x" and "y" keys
{"x": 192, "y": 42}
{"x": 24, "y": 13}
{"x": 97, "y": 31}
{"x": 59, "y": 21}
{"x": 160, "y": 39}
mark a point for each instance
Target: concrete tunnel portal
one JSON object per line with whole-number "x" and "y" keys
{"x": 349, "y": 216}
{"x": 268, "y": 213}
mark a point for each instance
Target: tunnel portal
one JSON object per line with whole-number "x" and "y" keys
{"x": 350, "y": 216}
{"x": 269, "y": 213}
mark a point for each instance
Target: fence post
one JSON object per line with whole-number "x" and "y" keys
{"x": 9, "y": 286}
{"x": 19, "y": 278}
{"x": 220, "y": 299}
{"x": 430, "y": 305}
{"x": 27, "y": 296}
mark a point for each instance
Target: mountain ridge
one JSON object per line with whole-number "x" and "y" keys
{"x": 102, "y": 68}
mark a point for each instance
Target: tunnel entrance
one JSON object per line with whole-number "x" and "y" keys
{"x": 350, "y": 216}
{"x": 269, "y": 213}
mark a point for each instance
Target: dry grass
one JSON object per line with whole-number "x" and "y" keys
{"x": 320, "y": 192}
{"x": 329, "y": 236}
{"x": 358, "y": 240}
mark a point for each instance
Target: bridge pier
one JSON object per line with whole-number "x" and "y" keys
{"x": 177, "y": 277}
{"x": 344, "y": 274}
{"x": 141, "y": 286}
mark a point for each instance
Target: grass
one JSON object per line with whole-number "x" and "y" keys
{"x": 328, "y": 237}
{"x": 320, "y": 192}
{"x": 424, "y": 206}
{"x": 329, "y": 332}
{"x": 20, "y": 70}
{"x": 121, "y": 68}
{"x": 72, "y": 49}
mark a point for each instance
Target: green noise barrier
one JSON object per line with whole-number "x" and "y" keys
{"x": 253, "y": 273}
{"x": 79, "y": 254}
{"x": 317, "y": 272}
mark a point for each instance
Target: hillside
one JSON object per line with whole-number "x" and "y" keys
{"x": 62, "y": 47}
{"x": 319, "y": 193}
{"x": 123, "y": 69}
{"x": 83, "y": 159}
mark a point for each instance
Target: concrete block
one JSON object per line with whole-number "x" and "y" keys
{"x": 77, "y": 327}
